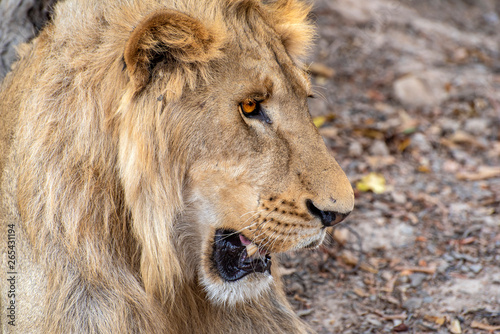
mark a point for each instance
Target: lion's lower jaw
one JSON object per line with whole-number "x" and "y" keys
{"x": 246, "y": 289}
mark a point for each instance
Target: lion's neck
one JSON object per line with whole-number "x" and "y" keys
{"x": 191, "y": 312}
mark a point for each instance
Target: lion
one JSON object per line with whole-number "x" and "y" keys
{"x": 157, "y": 156}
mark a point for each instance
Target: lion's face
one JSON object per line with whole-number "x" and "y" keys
{"x": 262, "y": 180}
{"x": 256, "y": 176}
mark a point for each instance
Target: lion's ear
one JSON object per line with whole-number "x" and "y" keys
{"x": 167, "y": 35}
{"x": 293, "y": 25}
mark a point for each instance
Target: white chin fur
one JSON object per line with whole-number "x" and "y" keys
{"x": 229, "y": 293}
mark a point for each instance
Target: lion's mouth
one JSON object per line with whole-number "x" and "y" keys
{"x": 234, "y": 256}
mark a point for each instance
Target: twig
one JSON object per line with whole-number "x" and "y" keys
{"x": 425, "y": 270}
{"x": 360, "y": 250}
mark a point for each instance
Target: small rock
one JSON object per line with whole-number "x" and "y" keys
{"x": 327, "y": 323}
{"x": 466, "y": 257}
{"x": 399, "y": 197}
{"x": 477, "y": 126}
{"x": 407, "y": 230}
{"x": 373, "y": 320}
{"x": 458, "y": 209}
{"x": 424, "y": 89}
{"x": 379, "y": 148}
{"x": 381, "y": 206}
{"x": 460, "y": 54}
{"x": 476, "y": 268}
{"x": 303, "y": 313}
{"x": 451, "y": 166}
{"x": 417, "y": 279}
{"x": 351, "y": 11}
{"x": 296, "y": 288}
{"x": 355, "y": 149}
{"x": 412, "y": 303}
{"x": 447, "y": 257}
{"x": 403, "y": 279}
{"x": 492, "y": 18}
{"x": 420, "y": 142}
{"x": 441, "y": 268}
{"x": 428, "y": 300}
{"x": 449, "y": 125}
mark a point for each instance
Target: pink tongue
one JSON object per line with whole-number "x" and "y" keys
{"x": 244, "y": 241}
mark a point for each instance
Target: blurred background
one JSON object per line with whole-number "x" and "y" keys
{"x": 408, "y": 101}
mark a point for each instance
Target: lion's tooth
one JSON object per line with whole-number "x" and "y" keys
{"x": 252, "y": 249}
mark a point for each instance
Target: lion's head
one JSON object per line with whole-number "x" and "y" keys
{"x": 165, "y": 142}
{"x": 254, "y": 174}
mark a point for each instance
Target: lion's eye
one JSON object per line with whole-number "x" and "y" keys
{"x": 252, "y": 109}
{"x": 248, "y": 106}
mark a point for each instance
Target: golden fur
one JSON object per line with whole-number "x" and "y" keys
{"x": 123, "y": 149}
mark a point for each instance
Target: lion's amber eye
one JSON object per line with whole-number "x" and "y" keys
{"x": 248, "y": 106}
{"x": 252, "y": 109}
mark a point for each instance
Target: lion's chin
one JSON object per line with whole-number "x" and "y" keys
{"x": 230, "y": 293}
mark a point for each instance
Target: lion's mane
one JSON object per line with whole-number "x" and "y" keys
{"x": 92, "y": 187}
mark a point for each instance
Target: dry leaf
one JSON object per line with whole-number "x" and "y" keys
{"x": 380, "y": 161}
{"x": 329, "y": 132}
{"x": 360, "y": 293}
{"x": 424, "y": 169}
{"x": 341, "y": 235}
{"x": 319, "y": 120}
{"x": 480, "y": 325}
{"x": 483, "y": 173}
{"x": 437, "y": 320}
{"x": 462, "y": 137}
{"x": 404, "y": 144}
{"x": 321, "y": 70}
{"x": 376, "y": 95}
{"x": 455, "y": 327}
{"x": 287, "y": 271}
{"x": 370, "y": 133}
{"x": 372, "y": 182}
{"x": 431, "y": 270}
{"x": 408, "y": 124}
{"x": 368, "y": 268}
{"x": 348, "y": 258}
{"x": 402, "y": 327}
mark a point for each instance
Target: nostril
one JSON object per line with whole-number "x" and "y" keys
{"x": 328, "y": 218}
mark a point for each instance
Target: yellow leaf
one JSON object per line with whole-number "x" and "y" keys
{"x": 439, "y": 320}
{"x": 319, "y": 120}
{"x": 372, "y": 182}
{"x": 455, "y": 327}
{"x": 404, "y": 144}
{"x": 424, "y": 169}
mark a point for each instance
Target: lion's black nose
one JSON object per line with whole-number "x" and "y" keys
{"x": 328, "y": 218}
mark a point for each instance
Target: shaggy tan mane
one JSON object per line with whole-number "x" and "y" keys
{"x": 131, "y": 166}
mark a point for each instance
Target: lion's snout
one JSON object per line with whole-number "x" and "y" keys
{"x": 327, "y": 218}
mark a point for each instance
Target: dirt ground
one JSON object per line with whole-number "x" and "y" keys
{"x": 408, "y": 93}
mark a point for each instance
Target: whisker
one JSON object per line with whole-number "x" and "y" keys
{"x": 238, "y": 231}
{"x": 255, "y": 212}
